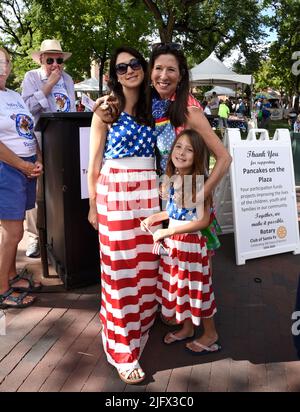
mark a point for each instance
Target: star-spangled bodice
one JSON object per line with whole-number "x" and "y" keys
{"x": 127, "y": 138}
{"x": 174, "y": 212}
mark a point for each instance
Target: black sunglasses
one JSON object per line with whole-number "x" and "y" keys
{"x": 166, "y": 46}
{"x": 50, "y": 60}
{"x": 134, "y": 64}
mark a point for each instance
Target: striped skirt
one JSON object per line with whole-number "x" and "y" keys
{"x": 184, "y": 281}
{"x": 129, "y": 270}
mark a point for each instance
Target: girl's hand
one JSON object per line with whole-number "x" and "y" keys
{"x": 92, "y": 216}
{"x": 147, "y": 223}
{"x": 161, "y": 234}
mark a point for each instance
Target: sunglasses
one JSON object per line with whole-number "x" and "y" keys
{"x": 50, "y": 60}
{"x": 166, "y": 46}
{"x": 134, "y": 64}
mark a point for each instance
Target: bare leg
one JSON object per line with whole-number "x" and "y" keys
{"x": 186, "y": 331}
{"x": 210, "y": 334}
{"x": 11, "y": 234}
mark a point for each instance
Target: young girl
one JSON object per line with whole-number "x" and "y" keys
{"x": 184, "y": 286}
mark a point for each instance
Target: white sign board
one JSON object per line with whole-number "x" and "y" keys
{"x": 263, "y": 194}
{"x": 84, "y": 145}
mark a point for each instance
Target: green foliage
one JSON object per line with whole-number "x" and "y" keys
{"x": 92, "y": 29}
{"x": 277, "y": 70}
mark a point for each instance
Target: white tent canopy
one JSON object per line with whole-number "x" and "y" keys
{"x": 220, "y": 91}
{"x": 213, "y": 71}
{"x": 88, "y": 85}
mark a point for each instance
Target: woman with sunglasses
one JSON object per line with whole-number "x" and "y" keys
{"x": 122, "y": 192}
{"x": 174, "y": 109}
{"x": 20, "y": 165}
{"x": 46, "y": 89}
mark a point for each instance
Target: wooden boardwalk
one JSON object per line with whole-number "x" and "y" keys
{"x": 55, "y": 345}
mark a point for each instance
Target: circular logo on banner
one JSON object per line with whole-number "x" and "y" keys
{"x": 281, "y": 232}
{"x": 62, "y": 102}
{"x": 24, "y": 125}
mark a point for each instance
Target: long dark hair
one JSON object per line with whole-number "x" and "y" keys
{"x": 199, "y": 167}
{"x": 177, "y": 111}
{"x": 143, "y": 112}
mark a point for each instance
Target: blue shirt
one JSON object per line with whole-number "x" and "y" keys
{"x": 127, "y": 138}
{"x": 174, "y": 212}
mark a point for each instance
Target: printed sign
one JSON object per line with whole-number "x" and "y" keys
{"x": 263, "y": 194}
{"x": 84, "y": 145}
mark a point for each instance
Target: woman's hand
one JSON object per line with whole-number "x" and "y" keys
{"x": 37, "y": 171}
{"x": 92, "y": 216}
{"x": 161, "y": 234}
{"x": 147, "y": 223}
{"x": 107, "y": 108}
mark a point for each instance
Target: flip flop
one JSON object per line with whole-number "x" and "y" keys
{"x": 17, "y": 301}
{"x": 214, "y": 347}
{"x": 176, "y": 339}
{"x": 125, "y": 376}
{"x": 24, "y": 275}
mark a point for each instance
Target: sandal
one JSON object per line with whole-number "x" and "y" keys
{"x": 25, "y": 275}
{"x": 16, "y": 301}
{"x": 214, "y": 347}
{"x": 125, "y": 375}
{"x": 172, "y": 338}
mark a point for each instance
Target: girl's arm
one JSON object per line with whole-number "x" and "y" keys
{"x": 196, "y": 120}
{"x": 97, "y": 142}
{"x": 189, "y": 227}
{"x": 156, "y": 217}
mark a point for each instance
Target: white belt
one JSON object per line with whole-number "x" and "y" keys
{"x": 130, "y": 163}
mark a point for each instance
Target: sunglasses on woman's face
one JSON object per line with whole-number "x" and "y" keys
{"x": 50, "y": 60}
{"x": 166, "y": 46}
{"x": 134, "y": 64}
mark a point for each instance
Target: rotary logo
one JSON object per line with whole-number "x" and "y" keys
{"x": 24, "y": 125}
{"x": 281, "y": 232}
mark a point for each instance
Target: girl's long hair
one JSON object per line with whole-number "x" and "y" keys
{"x": 177, "y": 111}
{"x": 143, "y": 112}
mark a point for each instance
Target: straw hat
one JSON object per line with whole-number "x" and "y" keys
{"x": 49, "y": 46}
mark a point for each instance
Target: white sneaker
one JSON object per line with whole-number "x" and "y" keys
{"x": 33, "y": 250}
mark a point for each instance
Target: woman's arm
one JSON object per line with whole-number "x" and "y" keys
{"x": 9, "y": 157}
{"x": 189, "y": 227}
{"x": 196, "y": 120}
{"x": 97, "y": 142}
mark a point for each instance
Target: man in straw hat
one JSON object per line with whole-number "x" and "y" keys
{"x": 46, "y": 89}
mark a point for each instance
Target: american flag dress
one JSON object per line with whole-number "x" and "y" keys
{"x": 184, "y": 282}
{"x": 126, "y": 192}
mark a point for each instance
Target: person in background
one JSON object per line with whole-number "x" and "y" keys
{"x": 223, "y": 114}
{"x": 297, "y": 124}
{"x": 242, "y": 108}
{"x": 80, "y": 107}
{"x": 214, "y": 104}
{"x": 46, "y": 89}
{"x": 266, "y": 115}
{"x": 20, "y": 165}
{"x": 206, "y": 108}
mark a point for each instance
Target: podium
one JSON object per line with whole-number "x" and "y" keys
{"x": 71, "y": 242}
